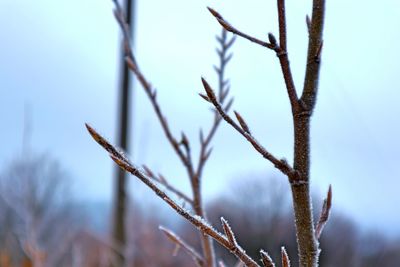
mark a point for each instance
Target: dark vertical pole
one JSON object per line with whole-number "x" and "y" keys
{"x": 120, "y": 194}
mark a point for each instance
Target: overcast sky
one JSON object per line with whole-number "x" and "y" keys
{"x": 59, "y": 62}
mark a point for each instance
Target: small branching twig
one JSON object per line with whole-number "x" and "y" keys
{"x": 150, "y": 91}
{"x": 324, "y": 216}
{"x": 182, "y": 148}
{"x": 302, "y": 109}
{"x": 196, "y": 220}
{"x": 266, "y": 259}
{"x": 282, "y": 165}
{"x": 228, "y": 27}
{"x": 223, "y": 92}
{"x": 182, "y": 244}
{"x": 282, "y": 24}
{"x": 298, "y": 175}
{"x": 280, "y": 49}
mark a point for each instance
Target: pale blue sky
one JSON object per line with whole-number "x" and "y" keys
{"x": 61, "y": 58}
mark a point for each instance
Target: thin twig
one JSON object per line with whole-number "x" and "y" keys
{"x": 280, "y": 49}
{"x": 281, "y": 165}
{"x": 227, "y": 26}
{"x": 150, "y": 91}
{"x": 223, "y": 92}
{"x": 205, "y": 151}
{"x": 282, "y": 24}
{"x": 184, "y": 155}
{"x": 196, "y": 220}
{"x": 311, "y": 79}
{"x": 180, "y": 243}
{"x": 324, "y": 216}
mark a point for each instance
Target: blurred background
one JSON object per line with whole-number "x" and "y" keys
{"x": 60, "y": 68}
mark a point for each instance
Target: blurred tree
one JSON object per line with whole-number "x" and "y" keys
{"x": 124, "y": 105}
{"x": 37, "y": 220}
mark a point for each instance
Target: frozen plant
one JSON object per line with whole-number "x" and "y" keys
{"x": 298, "y": 173}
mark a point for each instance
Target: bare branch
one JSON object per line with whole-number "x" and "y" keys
{"x": 150, "y": 91}
{"x": 266, "y": 259}
{"x": 285, "y": 258}
{"x": 196, "y": 220}
{"x": 233, "y": 30}
{"x": 301, "y": 109}
{"x": 180, "y": 243}
{"x": 314, "y": 45}
{"x": 281, "y": 165}
{"x": 120, "y": 17}
{"x": 280, "y": 50}
{"x": 288, "y": 77}
{"x": 324, "y": 216}
{"x": 104, "y": 143}
{"x": 282, "y": 25}
{"x": 282, "y": 54}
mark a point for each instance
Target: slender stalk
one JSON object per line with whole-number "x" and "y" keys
{"x": 197, "y": 221}
{"x": 307, "y": 244}
{"x": 302, "y": 109}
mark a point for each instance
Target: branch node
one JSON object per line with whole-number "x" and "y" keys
{"x": 280, "y": 52}
{"x": 295, "y": 182}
